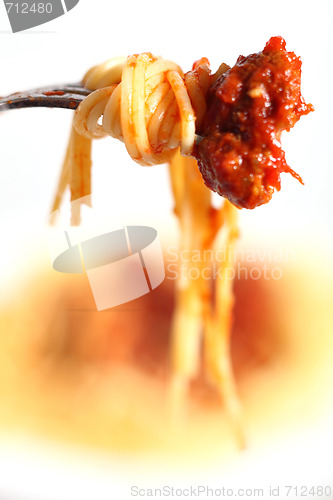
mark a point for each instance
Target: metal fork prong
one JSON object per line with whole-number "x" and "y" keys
{"x": 58, "y": 96}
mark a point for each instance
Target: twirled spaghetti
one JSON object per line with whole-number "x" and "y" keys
{"x": 153, "y": 109}
{"x": 144, "y": 101}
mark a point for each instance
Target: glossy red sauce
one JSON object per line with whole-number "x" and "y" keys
{"x": 240, "y": 155}
{"x": 54, "y": 92}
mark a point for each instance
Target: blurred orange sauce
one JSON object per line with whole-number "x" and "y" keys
{"x": 100, "y": 379}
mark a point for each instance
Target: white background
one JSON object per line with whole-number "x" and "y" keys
{"x": 33, "y": 141}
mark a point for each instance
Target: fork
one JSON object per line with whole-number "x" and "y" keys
{"x": 67, "y": 96}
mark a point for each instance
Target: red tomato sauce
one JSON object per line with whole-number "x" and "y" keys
{"x": 240, "y": 155}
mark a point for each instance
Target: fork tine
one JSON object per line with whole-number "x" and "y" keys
{"x": 60, "y": 96}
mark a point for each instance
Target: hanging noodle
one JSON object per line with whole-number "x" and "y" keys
{"x": 150, "y": 105}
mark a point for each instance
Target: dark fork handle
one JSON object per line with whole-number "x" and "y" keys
{"x": 60, "y": 96}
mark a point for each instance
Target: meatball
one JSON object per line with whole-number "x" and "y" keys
{"x": 239, "y": 152}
